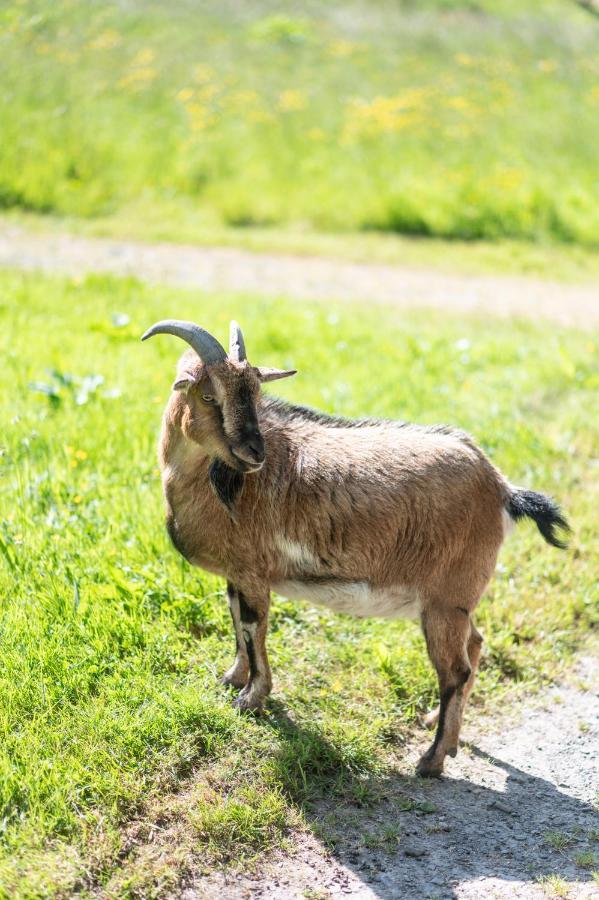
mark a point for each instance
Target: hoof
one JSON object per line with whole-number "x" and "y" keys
{"x": 429, "y": 767}
{"x": 232, "y": 679}
{"x": 246, "y": 703}
{"x": 429, "y": 771}
{"x": 431, "y": 718}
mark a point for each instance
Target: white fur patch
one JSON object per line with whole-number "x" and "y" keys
{"x": 508, "y": 523}
{"x": 297, "y": 555}
{"x": 356, "y": 598}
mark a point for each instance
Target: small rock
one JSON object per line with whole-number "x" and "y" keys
{"x": 414, "y": 851}
{"x": 502, "y": 807}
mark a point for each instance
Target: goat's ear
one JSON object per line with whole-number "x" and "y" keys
{"x": 184, "y": 382}
{"x": 267, "y": 374}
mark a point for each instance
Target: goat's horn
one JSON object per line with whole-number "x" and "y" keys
{"x": 207, "y": 347}
{"x": 236, "y": 343}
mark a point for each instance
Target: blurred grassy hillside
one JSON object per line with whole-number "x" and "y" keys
{"x": 474, "y": 119}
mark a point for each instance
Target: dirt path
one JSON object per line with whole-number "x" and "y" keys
{"x": 301, "y": 277}
{"x": 512, "y": 818}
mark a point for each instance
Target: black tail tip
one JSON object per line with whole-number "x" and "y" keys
{"x": 542, "y": 510}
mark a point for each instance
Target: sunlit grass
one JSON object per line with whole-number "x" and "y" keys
{"x": 112, "y": 647}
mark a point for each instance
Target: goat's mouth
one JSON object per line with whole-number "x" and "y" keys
{"x": 244, "y": 465}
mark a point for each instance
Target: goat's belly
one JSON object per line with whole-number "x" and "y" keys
{"x": 355, "y": 598}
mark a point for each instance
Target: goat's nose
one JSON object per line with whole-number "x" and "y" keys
{"x": 255, "y": 445}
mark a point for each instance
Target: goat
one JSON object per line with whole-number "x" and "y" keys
{"x": 368, "y": 517}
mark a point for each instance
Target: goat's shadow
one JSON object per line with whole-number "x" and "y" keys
{"x": 402, "y": 836}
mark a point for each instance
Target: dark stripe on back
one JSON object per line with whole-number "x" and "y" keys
{"x": 291, "y": 412}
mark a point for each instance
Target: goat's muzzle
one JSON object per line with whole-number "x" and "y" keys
{"x": 249, "y": 452}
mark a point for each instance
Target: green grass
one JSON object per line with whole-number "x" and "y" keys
{"x": 559, "y": 840}
{"x": 112, "y": 721}
{"x": 472, "y": 120}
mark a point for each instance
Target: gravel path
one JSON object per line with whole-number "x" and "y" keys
{"x": 303, "y": 277}
{"x": 514, "y": 812}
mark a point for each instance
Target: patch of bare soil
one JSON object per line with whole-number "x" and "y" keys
{"x": 513, "y": 817}
{"x": 304, "y": 277}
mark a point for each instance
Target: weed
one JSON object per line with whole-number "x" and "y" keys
{"x": 558, "y": 840}
{"x": 554, "y": 886}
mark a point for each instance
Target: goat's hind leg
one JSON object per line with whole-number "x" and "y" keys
{"x": 475, "y": 642}
{"x": 447, "y": 632}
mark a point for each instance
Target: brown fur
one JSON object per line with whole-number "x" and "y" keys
{"x": 396, "y": 509}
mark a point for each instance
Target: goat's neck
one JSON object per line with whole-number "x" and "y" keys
{"x": 178, "y": 453}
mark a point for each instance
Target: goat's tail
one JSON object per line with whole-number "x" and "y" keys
{"x": 543, "y": 510}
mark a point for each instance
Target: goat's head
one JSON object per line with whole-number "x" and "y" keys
{"x": 219, "y": 393}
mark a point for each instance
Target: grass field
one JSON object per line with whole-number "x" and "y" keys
{"x": 474, "y": 120}
{"x": 112, "y": 721}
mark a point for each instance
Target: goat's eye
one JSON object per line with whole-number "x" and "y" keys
{"x": 208, "y": 398}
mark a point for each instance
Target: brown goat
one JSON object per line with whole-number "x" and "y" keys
{"x": 368, "y": 517}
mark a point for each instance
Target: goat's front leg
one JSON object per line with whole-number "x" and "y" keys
{"x": 237, "y": 675}
{"x": 253, "y": 620}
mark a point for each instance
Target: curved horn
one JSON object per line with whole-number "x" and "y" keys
{"x": 236, "y": 343}
{"x": 207, "y": 347}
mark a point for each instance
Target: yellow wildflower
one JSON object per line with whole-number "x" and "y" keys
{"x": 547, "y": 66}
{"x": 383, "y": 114}
{"x": 199, "y": 116}
{"x": 459, "y": 103}
{"x": 106, "y": 40}
{"x": 137, "y": 78}
{"x": 66, "y": 56}
{"x": 77, "y": 498}
{"x": 292, "y": 100}
{"x": 508, "y": 179}
{"x": 463, "y": 59}
{"x": 341, "y": 48}
{"x": 81, "y": 454}
{"x": 184, "y": 95}
{"x": 143, "y": 57}
{"x": 202, "y": 73}
{"x": 207, "y": 92}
